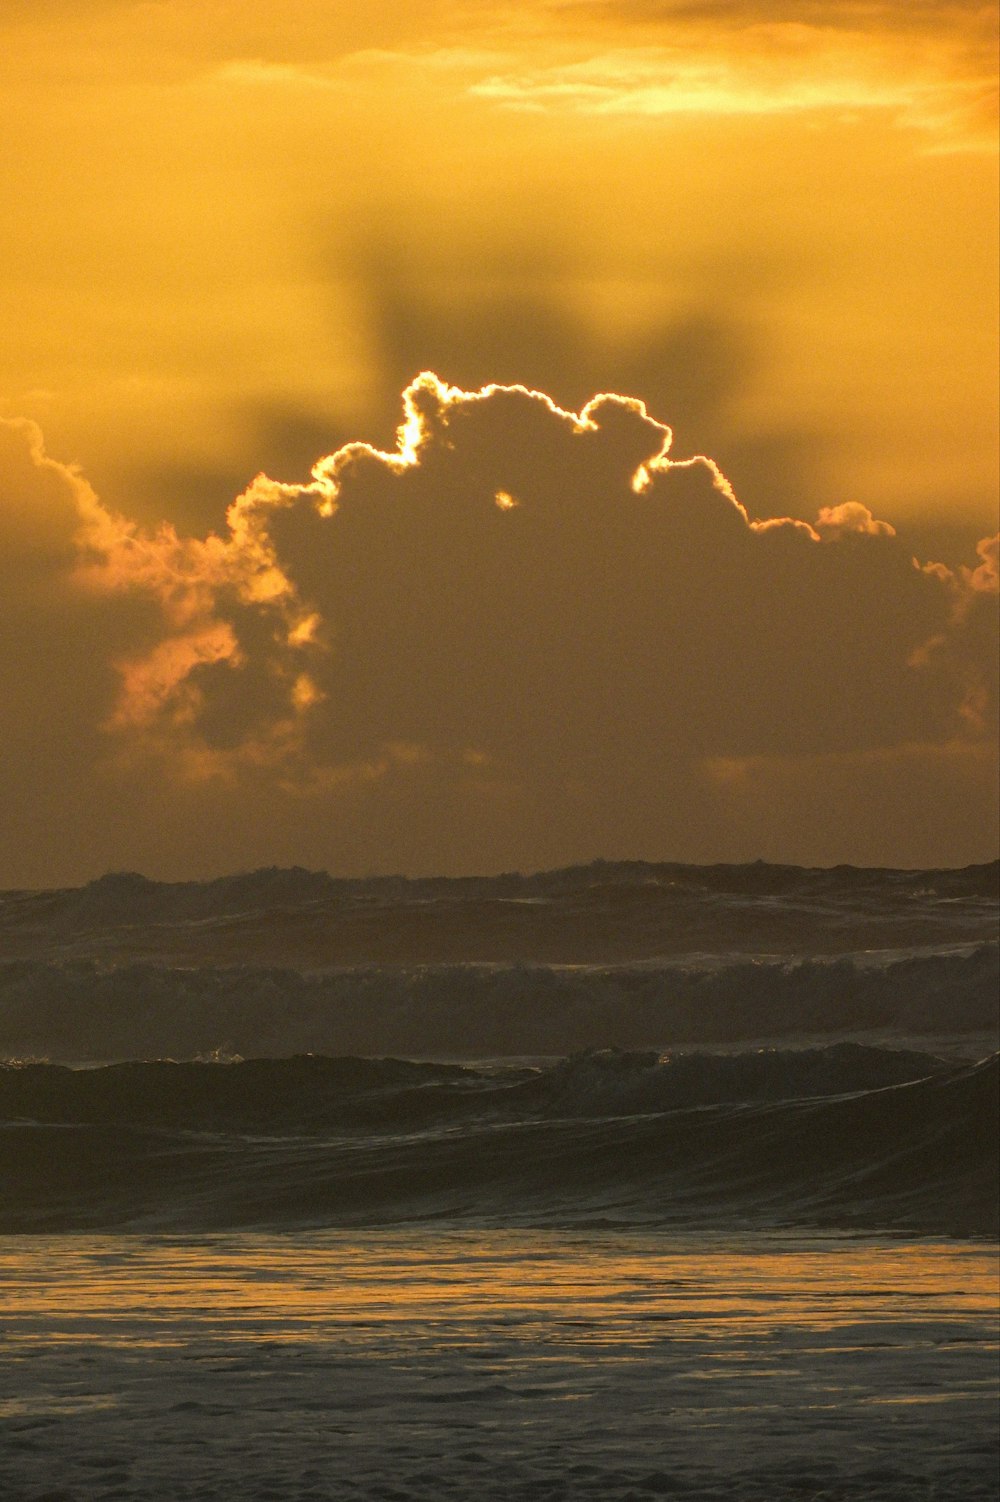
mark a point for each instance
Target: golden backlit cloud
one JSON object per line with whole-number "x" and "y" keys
{"x": 234, "y": 228}
{"x": 518, "y": 608}
{"x": 235, "y": 232}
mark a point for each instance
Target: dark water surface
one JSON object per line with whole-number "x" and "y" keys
{"x": 497, "y": 1364}
{"x": 842, "y": 1136}
{"x": 620, "y": 1182}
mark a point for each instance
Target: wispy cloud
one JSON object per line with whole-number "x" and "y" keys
{"x": 932, "y": 66}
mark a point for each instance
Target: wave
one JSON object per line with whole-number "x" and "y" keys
{"x": 604, "y": 913}
{"x": 843, "y": 1136}
{"x": 314, "y": 1093}
{"x": 88, "y": 1011}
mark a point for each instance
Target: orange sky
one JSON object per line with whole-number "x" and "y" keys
{"x": 236, "y": 234}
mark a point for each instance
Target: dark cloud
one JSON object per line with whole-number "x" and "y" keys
{"x": 836, "y": 14}
{"x": 587, "y": 624}
{"x": 524, "y": 636}
{"x": 58, "y": 680}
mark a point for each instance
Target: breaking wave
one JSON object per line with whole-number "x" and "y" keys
{"x": 845, "y": 1135}
{"x": 85, "y": 1011}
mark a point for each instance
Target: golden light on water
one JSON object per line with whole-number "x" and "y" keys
{"x": 141, "y": 1290}
{"x": 421, "y": 1362}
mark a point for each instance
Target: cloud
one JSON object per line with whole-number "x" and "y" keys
{"x": 930, "y": 65}
{"x": 512, "y": 540}
{"x": 57, "y": 679}
{"x": 523, "y": 635}
{"x": 851, "y": 516}
{"x": 508, "y": 308}
{"x": 40, "y": 505}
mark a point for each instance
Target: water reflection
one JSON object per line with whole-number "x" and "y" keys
{"x": 202, "y": 1364}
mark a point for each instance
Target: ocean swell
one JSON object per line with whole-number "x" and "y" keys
{"x": 83, "y": 1010}
{"x": 822, "y": 1138}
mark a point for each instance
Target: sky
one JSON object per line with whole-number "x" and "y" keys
{"x": 479, "y": 436}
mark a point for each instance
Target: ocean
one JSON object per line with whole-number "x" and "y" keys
{"x": 623, "y": 1181}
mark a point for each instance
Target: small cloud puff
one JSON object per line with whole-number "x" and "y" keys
{"x": 851, "y": 516}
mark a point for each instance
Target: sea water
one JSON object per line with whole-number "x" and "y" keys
{"x": 620, "y": 1182}
{"x": 475, "y": 1364}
